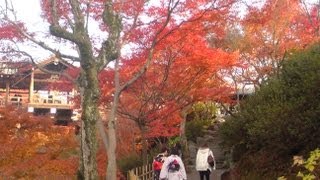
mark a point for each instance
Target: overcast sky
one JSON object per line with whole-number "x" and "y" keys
{"x": 29, "y": 12}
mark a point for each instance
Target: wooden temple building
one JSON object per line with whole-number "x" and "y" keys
{"x": 34, "y": 89}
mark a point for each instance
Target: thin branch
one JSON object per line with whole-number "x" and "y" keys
{"x": 47, "y": 47}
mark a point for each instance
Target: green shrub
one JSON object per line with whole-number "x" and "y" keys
{"x": 200, "y": 119}
{"x": 196, "y": 129}
{"x": 283, "y": 116}
{"x": 129, "y": 162}
{"x": 173, "y": 141}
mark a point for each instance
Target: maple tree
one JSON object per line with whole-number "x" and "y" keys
{"x": 265, "y": 35}
{"x": 267, "y": 38}
{"x": 180, "y": 76}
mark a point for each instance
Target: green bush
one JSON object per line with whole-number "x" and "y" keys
{"x": 201, "y": 118}
{"x": 196, "y": 129}
{"x": 129, "y": 162}
{"x": 283, "y": 116}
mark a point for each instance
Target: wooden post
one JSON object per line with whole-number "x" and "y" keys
{"x": 132, "y": 175}
{"x": 31, "y": 87}
{"x": 7, "y": 92}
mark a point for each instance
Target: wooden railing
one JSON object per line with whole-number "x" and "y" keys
{"x": 141, "y": 173}
{"x": 22, "y": 98}
{"x": 49, "y": 100}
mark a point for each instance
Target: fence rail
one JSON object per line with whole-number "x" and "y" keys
{"x": 141, "y": 173}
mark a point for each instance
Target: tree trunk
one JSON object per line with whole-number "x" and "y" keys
{"x": 144, "y": 144}
{"x": 112, "y": 141}
{"x": 90, "y": 114}
{"x": 112, "y": 134}
{"x": 183, "y": 137}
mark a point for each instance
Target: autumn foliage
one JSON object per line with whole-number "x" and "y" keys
{"x": 185, "y": 70}
{"x": 33, "y": 147}
{"x": 268, "y": 33}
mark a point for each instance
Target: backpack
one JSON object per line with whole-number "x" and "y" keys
{"x": 210, "y": 160}
{"x": 157, "y": 163}
{"x": 174, "y": 166}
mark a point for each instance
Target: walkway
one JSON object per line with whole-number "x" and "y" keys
{"x": 212, "y": 138}
{"x": 215, "y": 175}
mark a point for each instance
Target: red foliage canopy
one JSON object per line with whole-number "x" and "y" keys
{"x": 185, "y": 70}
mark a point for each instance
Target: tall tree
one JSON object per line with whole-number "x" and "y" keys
{"x": 180, "y": 76}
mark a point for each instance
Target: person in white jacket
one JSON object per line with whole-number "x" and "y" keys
{"x": 202, "y": 165}
{"x": 173, "y": 167}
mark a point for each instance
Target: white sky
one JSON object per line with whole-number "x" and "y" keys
{"x": 29, "y": 11}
